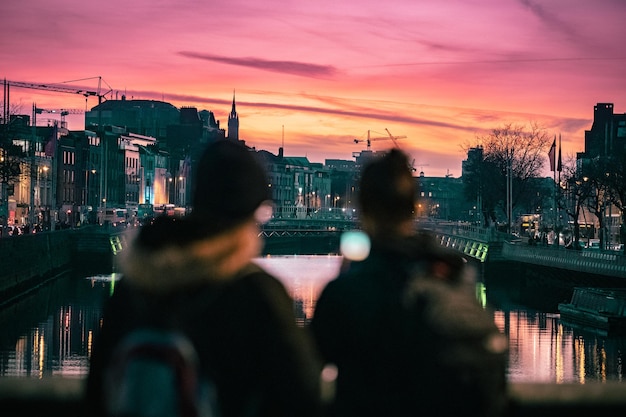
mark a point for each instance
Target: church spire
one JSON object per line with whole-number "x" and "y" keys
{"x": 233, "y": 122}
{"x": 233, "y": 111}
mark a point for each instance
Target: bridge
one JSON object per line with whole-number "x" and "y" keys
{"x": 313, "y": 235}
{"x": 316, "y": 221}
{"x": 483, "y": 245}
{"x": 491, "y": 247}
{"x": 321, "y": 235}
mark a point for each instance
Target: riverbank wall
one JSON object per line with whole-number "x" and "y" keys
{"x": 28, "y": 261}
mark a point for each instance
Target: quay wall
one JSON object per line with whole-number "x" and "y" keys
{"x": 29, "y": 260}
{"x": 26, "y": 261}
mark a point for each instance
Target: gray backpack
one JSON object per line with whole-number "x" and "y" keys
{"x": 466, "y": 370}
{"x": 154, "y": 373}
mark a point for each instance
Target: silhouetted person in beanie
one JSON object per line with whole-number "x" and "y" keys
{"x": 194, "y": 274}
{"x": 405, "y": 334}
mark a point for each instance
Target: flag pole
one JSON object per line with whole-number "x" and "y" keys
{"x": 553, "y": 166}
{"x": 558, "y": 184}
{"x": 555, "y": 205}
{"x": 559, "y": 166}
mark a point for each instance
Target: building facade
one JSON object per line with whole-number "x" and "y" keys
{"x": 142, "y": 152}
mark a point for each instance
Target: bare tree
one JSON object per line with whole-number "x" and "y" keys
{"x": 514, "y": 151}
{"x": 9, "y": 112}
{"x": 608, "y": 174}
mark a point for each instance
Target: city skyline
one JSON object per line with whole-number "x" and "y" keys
{"x": 314, "y": 77}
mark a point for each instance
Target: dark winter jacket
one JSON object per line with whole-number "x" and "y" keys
{"x": 398, "y": 326}
{"x": 240, "y": 319}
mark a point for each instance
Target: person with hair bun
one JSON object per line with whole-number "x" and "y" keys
{"x": 401, "y": 325}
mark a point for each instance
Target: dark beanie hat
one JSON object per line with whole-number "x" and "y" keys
{"x": 387, "y": 189}
{"x": 230, "y": 184}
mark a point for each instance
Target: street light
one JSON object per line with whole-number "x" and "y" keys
{"x": 103, "y": 204}
{"x": 178, "y": 193}
{"x": 88, "y": 198}
{"x": 509, "y": 187}
{"x": 169, "y": 188}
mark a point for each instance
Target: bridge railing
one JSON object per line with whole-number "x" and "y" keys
{"x": 310, "y": 223}
{"x": 593, "y": 262}
{"x": 467, "y": 230}
{"x": 459, "y": 236}
{"x": 325, "y": 213}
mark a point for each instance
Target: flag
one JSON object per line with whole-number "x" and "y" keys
{"x": 558, "y": 164}
{"x": 551, "y": 154}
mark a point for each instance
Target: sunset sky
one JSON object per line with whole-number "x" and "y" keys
{"x": 326, "y": 72}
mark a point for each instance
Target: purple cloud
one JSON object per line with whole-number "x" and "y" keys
{"x": 290, "y": 67}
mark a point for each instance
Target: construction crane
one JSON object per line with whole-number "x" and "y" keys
{"x": 64, "y": 87}
{"x": 61, "y": 112}
{"x": 394, "y": 138}
{"x": 413, "y": 169}
{"x": 370, "y": 139}
{"x": 59, "y": 88}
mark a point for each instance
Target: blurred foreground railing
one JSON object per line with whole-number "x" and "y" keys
{"x": 26, "y": 397}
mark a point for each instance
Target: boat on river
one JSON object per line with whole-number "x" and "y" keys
{"x": 601, "y": 310}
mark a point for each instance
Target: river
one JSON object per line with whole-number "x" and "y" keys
{"x": 50, "y": 331}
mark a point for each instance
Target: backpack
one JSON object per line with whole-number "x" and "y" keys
{"x": 154, "y": 373}
{"x": 467, "y": 354}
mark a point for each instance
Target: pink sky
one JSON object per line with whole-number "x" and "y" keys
{"x": 438, "y": 72}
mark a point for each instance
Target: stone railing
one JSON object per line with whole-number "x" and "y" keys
{"x": 28, "y": 397}
{"x": 586, "y": 261}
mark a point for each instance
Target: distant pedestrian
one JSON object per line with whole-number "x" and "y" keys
{"x": 401, "y": 323}
{"x": 194, "y": 274}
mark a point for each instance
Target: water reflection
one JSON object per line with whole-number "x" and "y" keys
{"x": 304, "y": 277}
{"x": 544, "y": 350}
{"x": 50, "y": 332}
